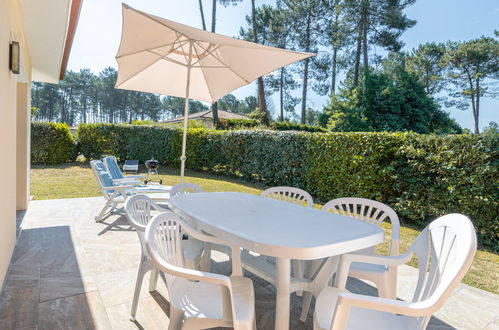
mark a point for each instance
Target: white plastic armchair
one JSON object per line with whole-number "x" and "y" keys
{"x": 444, "y": 252}
{"x": 191, "y": 188}
{"x": 385, "y": 278}
{"x": 198, "y": 300}
{"x": 138, "y": 210}
{"x": 373, "y": 212}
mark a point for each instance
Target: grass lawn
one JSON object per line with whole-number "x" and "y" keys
{"x": 76, "y": 180}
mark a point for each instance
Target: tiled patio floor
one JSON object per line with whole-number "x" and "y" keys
{"x": 68, "y": 272}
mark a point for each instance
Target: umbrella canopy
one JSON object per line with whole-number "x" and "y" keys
{"x": 161, "y": 56}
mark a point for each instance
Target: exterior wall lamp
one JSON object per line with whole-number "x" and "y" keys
{"x": 14, "y": 57}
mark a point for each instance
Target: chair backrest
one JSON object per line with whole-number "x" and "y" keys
{"x": 370, "y": 211}
{"x": 113, "y": 167}
{"x": 138, "y": 209}
{"x": 184, "y": 189}
{"x": 98, "y": 165}
{"x": 289, "y": 194}
{"x": 164, "y": 239}
{"x": 102, "y": 176}
{"x": 444, "y": 251}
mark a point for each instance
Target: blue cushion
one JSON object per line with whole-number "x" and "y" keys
{"x": 113, "y": 167}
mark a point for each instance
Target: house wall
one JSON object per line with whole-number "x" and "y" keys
{"x": 11, "y": 28}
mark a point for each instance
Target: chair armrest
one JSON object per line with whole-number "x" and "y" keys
{"x": 347, "y": 300}
{"x": 190, "y": 274}
{"x": 347, "y": 259}
{"x": 121, "y": 189}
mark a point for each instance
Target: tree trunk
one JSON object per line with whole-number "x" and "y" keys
{"x": 365, "y": 27}
{"x": 357, "y": 57}
{"x": 262, "y": 104}
{"x": 476, "y": 111}
{"x": 334, "y": 69}
{"x": 305, "y": 72}
{"x": 213, "y": 15}
{"x": 214, "y": 110}
{"x": 202, "y": 14}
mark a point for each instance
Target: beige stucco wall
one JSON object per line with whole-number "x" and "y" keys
{"x": 11, "y": 28}
{"x": 23, "y": 136}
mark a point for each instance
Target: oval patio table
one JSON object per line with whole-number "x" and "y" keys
{"x": 279, "y": 229}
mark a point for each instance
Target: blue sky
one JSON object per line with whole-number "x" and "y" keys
{"x": 99, "y": 29}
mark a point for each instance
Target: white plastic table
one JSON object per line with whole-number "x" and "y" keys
{"x": 279, "y": 229}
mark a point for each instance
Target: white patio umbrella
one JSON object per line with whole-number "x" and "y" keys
{"x": 161, "y": 56}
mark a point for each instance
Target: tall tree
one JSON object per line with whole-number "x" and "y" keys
{"x": 272, "y": 26}
{"x": 224, "y": 3}
{"x": 388, "y": 100}
{"x": 473, "y": 72}
{"x": 426, "y": 62}
{"x": 306, "y": 17}
{"x": 380, "y": 23}
{"x": 262, "y": 104}
{"x": 338, "y": 33}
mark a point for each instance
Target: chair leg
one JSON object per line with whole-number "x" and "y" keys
{"x": 176, "y": 319}
{"x": 386, "y": 288}
{"x": 138, "y": 285}
{"x": 206, "y": 259}
{"x": 298, "y": 272}
{"x": 153, "y": 281}
{"x": 307, "y": 300}
{"x": 104, "y": 210}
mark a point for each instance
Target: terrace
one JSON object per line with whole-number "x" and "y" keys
{"x": 69, "y": 272}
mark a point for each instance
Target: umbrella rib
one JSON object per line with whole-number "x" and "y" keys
{"x": 144, "y": 50}
{"x": 225, "y": 65}
{"x": 205, "y": 53}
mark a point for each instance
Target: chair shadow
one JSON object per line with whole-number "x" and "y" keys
{"x": 116, "y": 224}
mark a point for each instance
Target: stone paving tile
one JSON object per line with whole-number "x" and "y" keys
{"x": 83, "y": 311}
{"x": 19, "y": 308}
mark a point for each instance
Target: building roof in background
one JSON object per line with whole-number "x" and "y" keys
{"x": 208, "y": 115}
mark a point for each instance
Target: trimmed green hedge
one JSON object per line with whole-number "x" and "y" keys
{"x": 420, "y": 176}
{"x": 51, "y": 143}
{"x": 290, "y": 126}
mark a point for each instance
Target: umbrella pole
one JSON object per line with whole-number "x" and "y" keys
{"x": 183, "y": 158}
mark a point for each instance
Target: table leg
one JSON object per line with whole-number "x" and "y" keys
{"x": 283, "y": 302}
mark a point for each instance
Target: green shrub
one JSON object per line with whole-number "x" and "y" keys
{"x": 289, "y": 126}
{"x": 420, "y": 176}
{"x": 51, "y": 143}
{"x": 238, "y": 123}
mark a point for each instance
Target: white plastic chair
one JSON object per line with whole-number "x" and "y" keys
{"x": 373, "y": 212}
{"x": 444, "y": 251}
{"x": 114, "y": 169}
{"x": 385, "y": 278}
{"x": 264, "y": 267}
{"x": 115, "y": 194}
{"x": 138, "y": 210}
{"x": 191, "y": 188}
{"x": 198, "y": 300}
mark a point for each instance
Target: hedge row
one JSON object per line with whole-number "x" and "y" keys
{"x": 51, "y": 143}
{"x": 420, "y": 176}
